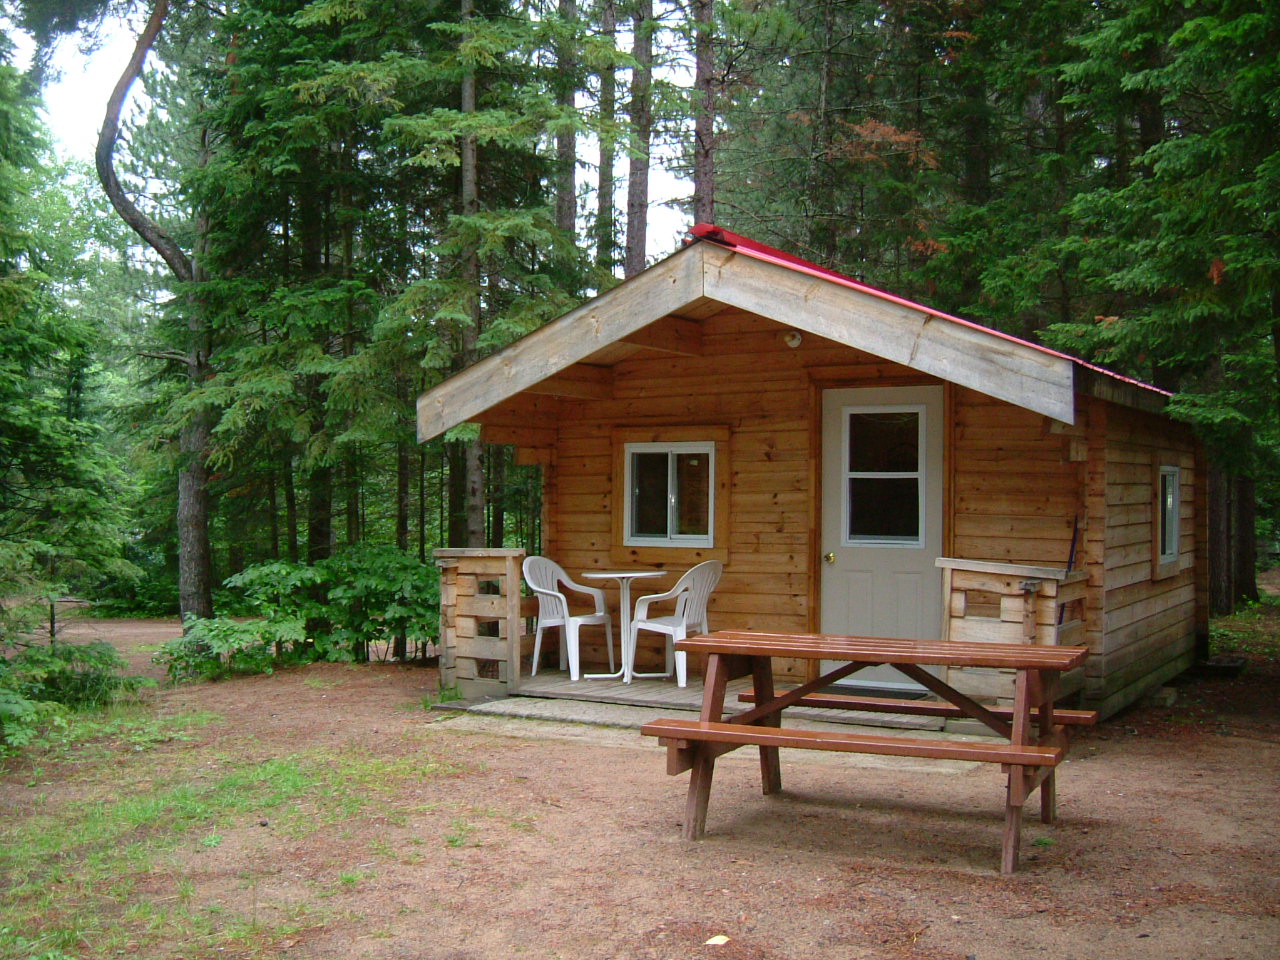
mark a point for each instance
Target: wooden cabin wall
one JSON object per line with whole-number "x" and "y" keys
{"x": 767, "y": 395}
{"x": 1022, "y": 489}
{"x": 1148, "y": 621}
{"x": 1016, "y": 484}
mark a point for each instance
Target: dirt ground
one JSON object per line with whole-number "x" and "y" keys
{"x": 1166, "y": 848}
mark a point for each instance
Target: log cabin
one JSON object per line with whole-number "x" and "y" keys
{"x": 862, "y": 464}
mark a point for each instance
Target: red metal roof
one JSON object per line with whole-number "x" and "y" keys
{"x": 760, "y": 251}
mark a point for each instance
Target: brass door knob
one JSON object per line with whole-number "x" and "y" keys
{"x": 829, "y": 557}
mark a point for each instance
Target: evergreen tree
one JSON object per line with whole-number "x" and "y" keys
{"x": 61, "y": 504}
{"x": 1180, "y": 236}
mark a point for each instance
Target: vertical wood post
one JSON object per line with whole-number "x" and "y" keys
{"x": 481, "y": 622}
{"x": 988, "y": 601}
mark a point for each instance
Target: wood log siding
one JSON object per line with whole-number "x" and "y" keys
{"x": 749, "y": 382}
{"x": 1015, "y": 492}
{"x": 1017, "y": 482}
{"x": 767, "y": 395}
{"x": 1148, "y": 628}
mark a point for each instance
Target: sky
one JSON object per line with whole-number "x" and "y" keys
{"x": 76, "y": 101}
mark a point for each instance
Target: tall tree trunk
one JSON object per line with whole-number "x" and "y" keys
{"x": 195, "y": 563}
{"x": 566, "y": 136}
{"x": 422, "y": 505}
{"x": 1245, "y": 554}
{"x": 473, "y": 454}
{"x": 641, "y": 114}
{"x": 704, "y": 114}
{"x": 290, "y": 505}
{"x": 404, "y": 475}
{"x": 1232, "y": 541}
{"x": 605, "y": 243}
{"x": 497, "y": 461}
{"x": 319, "y": 514}
{"x": 456, "y": 493}
{"x": 195, "y": 559}
{"x": 475, "y": 492}
{"x": 312, "y": 256}
{"x": 273, "y": 511}
{"x": 351, "y": 484}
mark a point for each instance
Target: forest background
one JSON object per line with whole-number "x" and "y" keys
{"x": 210, "y": 345}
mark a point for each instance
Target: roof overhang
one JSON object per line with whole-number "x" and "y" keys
{"x": 706, "y": 274}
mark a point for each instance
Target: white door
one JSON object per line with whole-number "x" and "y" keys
{"x": 882, "y": 494}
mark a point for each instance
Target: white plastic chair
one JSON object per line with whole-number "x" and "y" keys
{"x": 690, "y": 594}
{"x": 547, "y": 578}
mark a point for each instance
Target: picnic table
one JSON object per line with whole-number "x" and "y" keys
{"x": 1033, "y": 732}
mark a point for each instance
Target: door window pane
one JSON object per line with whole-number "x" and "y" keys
{"x": 884, "y": 476}
{"x": 884, "y": 442}
{"x": 884, "y": 509}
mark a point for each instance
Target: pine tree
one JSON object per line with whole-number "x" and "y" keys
{"x": 61, "y": 503}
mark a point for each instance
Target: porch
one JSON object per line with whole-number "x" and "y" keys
{"x": 664, "y": 694}
{"x": 486, "y": 642}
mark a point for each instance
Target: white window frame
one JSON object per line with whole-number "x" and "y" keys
{"x": 1168, "y": 515}
{"x": 631, "y": 539}
{"x": 919, "y": 474}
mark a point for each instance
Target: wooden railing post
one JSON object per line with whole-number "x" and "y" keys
{"x": 481, "y": 627}
{"x": 991, "y": 602}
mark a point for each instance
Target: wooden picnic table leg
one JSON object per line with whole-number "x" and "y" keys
{"x": 704, "y": 761}
{"x": 1048, "y": 696}
{"x": 1016, "y": 790}
{"x": 762, "y": 684}
{"x": 1013, "y": 821}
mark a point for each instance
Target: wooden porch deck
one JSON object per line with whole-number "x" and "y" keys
{"x": 664, "y": 694}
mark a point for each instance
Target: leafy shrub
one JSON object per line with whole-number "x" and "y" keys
{"x": 373, "y": 595}
{"x": 74, "y": 674}
{"x": 155, "y": 595}
{"x": 21, "y": 718}
{"x": 346, "y": 607}
{"x": 219, "y": 647}
{"x": 40, "y": 682}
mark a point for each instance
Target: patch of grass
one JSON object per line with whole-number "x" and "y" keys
{"x": 445, "y": 694}
{"x": 459, "y": 832}
{"x": 95, "y": 734}
{"x": 320, "y": 683}
{"x": 352, "y": 878}
{"x": 1253, "y": 632}
{"x": 67, "y": 867}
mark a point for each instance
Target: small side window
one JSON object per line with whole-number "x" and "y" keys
{"x": 1167, "y": 527}
{"x": 670, "y": 500}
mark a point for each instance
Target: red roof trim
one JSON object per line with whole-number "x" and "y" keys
{"x": 760, "y": 251}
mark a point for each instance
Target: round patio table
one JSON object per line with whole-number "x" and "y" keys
{"x": 624, "y": 578}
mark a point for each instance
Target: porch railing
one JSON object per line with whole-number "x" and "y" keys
{"x": 991, "y": 602}
{"x": 482, "y": 617}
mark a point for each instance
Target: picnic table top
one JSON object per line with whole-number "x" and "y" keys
{"x": 821, "y": 646}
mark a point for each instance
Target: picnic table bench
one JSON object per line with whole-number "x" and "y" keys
{"x": 1034, "y": 730}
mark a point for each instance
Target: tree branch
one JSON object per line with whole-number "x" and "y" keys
{"x": 171, "y": 357}
{"x": 138, "y": 221}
